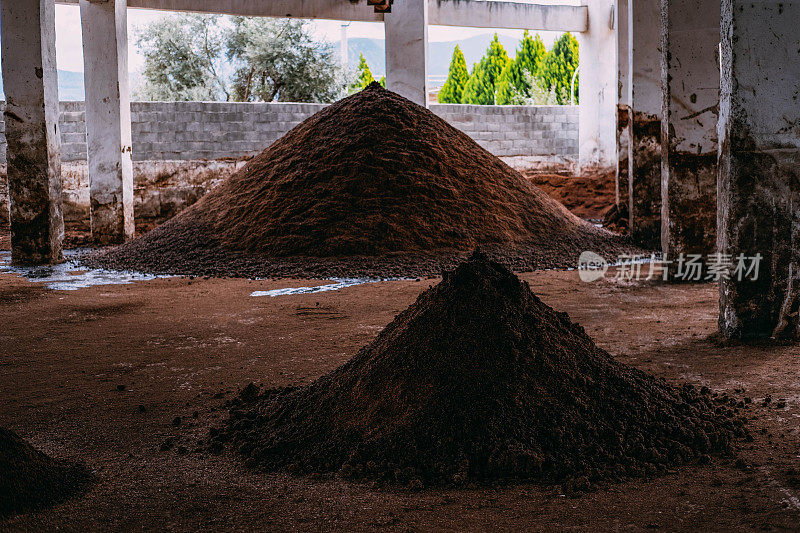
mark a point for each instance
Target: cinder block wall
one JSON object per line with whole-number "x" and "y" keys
{"x": 210, "y": 130}
{"x": 186, "y": 131}
{"x": 510, "y": 131}
{"x": 72, "y": 123}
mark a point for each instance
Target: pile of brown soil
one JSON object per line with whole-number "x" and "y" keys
{"x": 588, "y": 196}
{"x": 30, "y": 479}
{"x": 479, "y": 381}
{"x": 371, "y": 184}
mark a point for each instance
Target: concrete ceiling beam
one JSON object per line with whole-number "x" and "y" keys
{"x": 461, "y": 13}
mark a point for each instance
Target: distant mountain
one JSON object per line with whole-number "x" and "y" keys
{"x": 439, "y": 53}
{"x": 70, "y": 85}
{"x": 374, "y": 51}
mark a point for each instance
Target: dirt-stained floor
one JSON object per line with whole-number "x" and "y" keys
{"x": 99, "y": 375}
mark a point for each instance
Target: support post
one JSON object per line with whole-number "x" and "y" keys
{"x": 406, "y": 30}
{"x": 343, "y": 46}
{"x": 31, "y": 118}
{"x": 759, "y": 165}
{"x": 108, "y": 119}
{"x": 624, "y": 86}
{"x": 644, "y": 162}
{"x": 598, "y": 88}
{"x": 690, "y": 108}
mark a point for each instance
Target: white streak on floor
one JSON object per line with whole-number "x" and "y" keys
{"x": 792, "y": 500}
{"x": 70, "y": 275}
{"x": 339, "y": 283}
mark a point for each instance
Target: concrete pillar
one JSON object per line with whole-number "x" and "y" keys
{"x": 624, "y": 87}
{"x": 690, "y": 109}
{"x": 31, "y": 119}
{"x": 108, "y": 119}
{"x": 343, "y": 46}
{"x": 759, "y": 165}
{"x": 644, "y": 162}
{"x": 406, "y": 30}
{"x": 598, "y": 87}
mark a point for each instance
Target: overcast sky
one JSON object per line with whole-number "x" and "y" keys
{"x": 70, "y": 55}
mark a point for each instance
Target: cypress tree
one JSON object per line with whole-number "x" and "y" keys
{"x": 364, "y": 77}
{"x": 559, "y": 65}
{"x": 453, "y": 89}
{"x": 530, "y": 57}
{"x": 480, "y": 88}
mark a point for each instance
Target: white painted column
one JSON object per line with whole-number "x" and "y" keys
{"x": 598, "y": 87}
{"x": 108, "y": 119}
{"x": 689, "y": 111}
{"x": 759, "y": 164}
{"x": 30, "y": 83}
{"x": 406, "y": 30}
{"x": 645, "y": 21}
{"x": 623, "y": 26}
{"x": 343, "y": 47}
{"x": 644, "y": 163}
{"x": 624, "y": 85}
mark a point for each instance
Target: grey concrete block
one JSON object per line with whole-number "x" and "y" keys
{"x": 72, "y": 106}
{"x": 66, "y": 127}
{"x": 482, "y": 135}
{"x": 71, "y": 116}
{"x": 73, "y": 138}
{"x": 146, "y": 117}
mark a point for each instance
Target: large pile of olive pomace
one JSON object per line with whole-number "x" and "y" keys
{"x": 30, "y": 480}
{"x": 373, "y": 184}
{"x": 480, "y": 381}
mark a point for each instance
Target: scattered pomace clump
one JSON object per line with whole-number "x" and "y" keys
{"x": 371, "y": 185}
{"x": 479, "y": 381}
{"x": 31, "y": 480}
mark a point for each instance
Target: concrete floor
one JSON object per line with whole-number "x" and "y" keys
{"x": 183, "y": 346}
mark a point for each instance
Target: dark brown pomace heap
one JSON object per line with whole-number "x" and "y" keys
{"x": 31, "y": 480}
{"x": 479, "y": 381}
{"x": 372, "y": 185}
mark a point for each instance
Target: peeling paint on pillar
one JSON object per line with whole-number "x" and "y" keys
{"x": 4, "y": 207}
{"x": 108, "y": 120}
{"x": 31, "y": 123}
{"x": 690, "y": 102}
{"x": 624, "y": 92}
{"x": 759, "y": 167}
{"x": 624, "y": 145}
{"x": 644, "y": 189}
{"x": 644, "y": 167}
{"x": 691, "y": 223}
